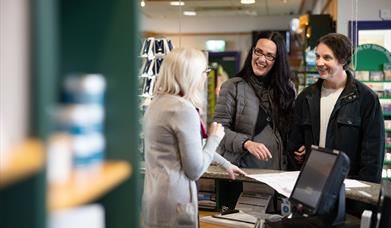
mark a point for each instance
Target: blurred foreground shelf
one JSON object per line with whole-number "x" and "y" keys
{"x": 88, "y": 185}
{"x": 24, "y": 160}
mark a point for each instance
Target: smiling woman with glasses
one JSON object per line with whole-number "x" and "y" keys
{"x": 255, "y": 107}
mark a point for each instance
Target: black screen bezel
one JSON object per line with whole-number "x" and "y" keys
{"x": 307, "y": 209}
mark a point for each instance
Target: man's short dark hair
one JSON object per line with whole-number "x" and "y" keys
{"x": 340, "y": 45}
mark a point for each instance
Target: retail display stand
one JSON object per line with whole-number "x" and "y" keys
{"x": 372, "y": 64}
{"x": 152, "y": 52}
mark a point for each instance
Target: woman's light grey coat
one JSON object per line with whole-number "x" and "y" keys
{"x": 174, "y": 159}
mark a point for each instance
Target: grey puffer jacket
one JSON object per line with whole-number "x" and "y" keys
{"x": 237, "y": 110}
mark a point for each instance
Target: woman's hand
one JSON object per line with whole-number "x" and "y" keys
{"x": 216, "y": 129}
{"x": 299, "y": 154}
{"x": 259, "y": 150}
{"x": 234, "y": 171}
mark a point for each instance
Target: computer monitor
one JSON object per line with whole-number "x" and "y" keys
{"x": 319, "y": 182}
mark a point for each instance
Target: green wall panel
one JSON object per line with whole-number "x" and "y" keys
{"x": 101, "y": 37}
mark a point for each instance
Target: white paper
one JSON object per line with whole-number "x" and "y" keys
{"x": 240, "y": 217}
{"x": 284, "y": 182}
{"x": 231, "y": 220}
{"x": 350, "y": 183}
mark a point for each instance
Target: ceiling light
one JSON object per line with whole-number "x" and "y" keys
{"x": 142, "y": 3}
{"x": 189, "y": 13}
{"x": 285, "y": 1}
{"x": 177, "y": 3}
{"x": 247, "y": 2}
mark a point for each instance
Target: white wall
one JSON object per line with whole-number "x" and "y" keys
{"x": 368, "y": 10}
{"x": 318, "y": 6}
{"x": 14, "y": 73}
{"x": 214, "y": 24}
{"x": 234, "y": 42}
{"x": 197, "y": 30}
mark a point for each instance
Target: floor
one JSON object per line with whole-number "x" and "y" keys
{"x": 207, "y": 225}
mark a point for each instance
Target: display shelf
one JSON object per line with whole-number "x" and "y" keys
{"x": 385, "y": 97}
{"x": 87, "y": 185}
{"x": 387, "y": 114}
{"x": 308, "y": 72}
{"x": 388, "y": 146}
{"x": 387, "y": 130}
{"x": 376, "y": 81}
{"x": 25, "y": 160}
{"x": 387, "y": 162}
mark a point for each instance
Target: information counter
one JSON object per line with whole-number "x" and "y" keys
{"x": 367, "y": 195}
{"x": 358, "y": 198}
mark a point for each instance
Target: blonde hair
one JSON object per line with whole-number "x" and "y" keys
{"x": 181, "y": 74}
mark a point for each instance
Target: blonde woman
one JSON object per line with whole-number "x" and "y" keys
{"x": 174, "y": 156}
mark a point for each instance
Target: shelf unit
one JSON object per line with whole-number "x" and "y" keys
{"x": 86, "y": 186}
{"x": 26, "y": 160}
{"x": 373, "y": 67}
{"x": 71, "y": 36}
{"x": 385, "y": 100}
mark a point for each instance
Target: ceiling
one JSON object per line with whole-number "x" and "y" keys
{"x": 216, "y": 8}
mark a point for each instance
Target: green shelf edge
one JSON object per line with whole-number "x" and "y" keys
{"x": 375, "y": 81}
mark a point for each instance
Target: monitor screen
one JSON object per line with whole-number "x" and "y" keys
{"x": 313, "y": 177}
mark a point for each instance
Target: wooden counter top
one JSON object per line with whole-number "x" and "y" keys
{"x": 367, "y": 195}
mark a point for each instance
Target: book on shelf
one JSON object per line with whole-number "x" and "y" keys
{"x": 207, "y": 200}
{"x": 362, "y": 75}
{"x": 376, "y": 76}
{"x": 387, "y": 71}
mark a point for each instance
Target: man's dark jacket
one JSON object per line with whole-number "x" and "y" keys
{"x": 356, "y": 127}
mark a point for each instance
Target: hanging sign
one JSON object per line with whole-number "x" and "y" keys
{"x": 371, "y": 57}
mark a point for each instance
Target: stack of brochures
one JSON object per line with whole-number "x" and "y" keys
{"x": 239, "y": 220}
{"x": 207, "y": 194}
{"x": 207, "y": 200}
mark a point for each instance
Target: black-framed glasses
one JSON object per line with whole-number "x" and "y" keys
{"x": 207, "y": 70}
{"x": 258, "y": 52}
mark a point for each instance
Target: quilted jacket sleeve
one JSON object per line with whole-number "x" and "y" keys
{"x": 225, "y": 114}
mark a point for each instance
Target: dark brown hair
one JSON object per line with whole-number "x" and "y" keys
{"x": 280, "y": 83}
{"x": 340, "y": 45}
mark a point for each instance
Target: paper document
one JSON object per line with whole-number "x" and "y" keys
{"x": 235, "y": 220}
{"x": 350, "y": 183}
{"x": 284, "y": 182}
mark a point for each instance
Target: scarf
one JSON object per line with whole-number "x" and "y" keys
{"x": 261, "y": 89}
{"x": 204, "y": 133}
